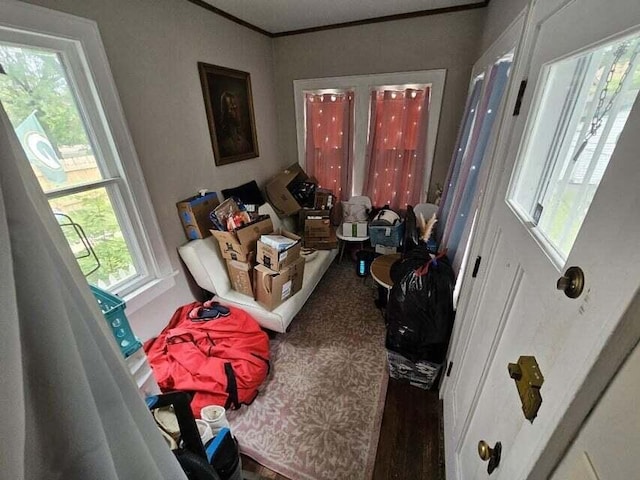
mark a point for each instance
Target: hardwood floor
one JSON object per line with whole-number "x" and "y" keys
{"x": 410, "y": 443}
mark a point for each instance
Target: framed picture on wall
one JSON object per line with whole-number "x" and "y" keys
{"x": 229, "y": 106}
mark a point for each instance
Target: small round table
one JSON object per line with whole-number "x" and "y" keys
{"x": 381, "y": 269}
{"x": 381, "y": 273}
{"x": 344, "y": 239}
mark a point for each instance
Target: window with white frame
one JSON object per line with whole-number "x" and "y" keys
{"x": 56, "y": 88}
{"x": 362, "y": 88}
{"x": 582, "y": 109}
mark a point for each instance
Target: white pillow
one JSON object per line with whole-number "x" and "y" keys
{"x": 354, "y": 212}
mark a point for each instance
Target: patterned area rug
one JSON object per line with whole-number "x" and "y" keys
{"x": 318, "y": 415}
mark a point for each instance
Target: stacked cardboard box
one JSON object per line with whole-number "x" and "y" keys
{"x": 238, "y": 248}
{"x": 279, "y": 273}
{"x": 318, "y": 231}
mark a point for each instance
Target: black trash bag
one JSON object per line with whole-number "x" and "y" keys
{"x": 410, "y": 240}
{"x": 411, "y": 260}
{"x": 420, "y": 313}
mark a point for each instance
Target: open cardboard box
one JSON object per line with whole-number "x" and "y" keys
{"x": 240, "y": 243}
{"x": 274, "y": 260}
{"x": 278, "y": 193}
{"x": 273, "y": 288}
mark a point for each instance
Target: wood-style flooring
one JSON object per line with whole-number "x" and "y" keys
{"x": 410, "y": 444}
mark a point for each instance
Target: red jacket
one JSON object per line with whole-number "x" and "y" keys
{"x": 221, "y": 361}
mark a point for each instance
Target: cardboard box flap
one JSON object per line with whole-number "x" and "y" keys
{"x": 244, "y": 239}
{"x": 279, "y": 196}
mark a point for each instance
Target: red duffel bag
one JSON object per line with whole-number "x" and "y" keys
{"x": 222, "y": 361}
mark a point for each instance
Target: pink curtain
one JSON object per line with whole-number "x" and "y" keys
{"x": 396, "y": 153}
{"x": 329, "y": 141}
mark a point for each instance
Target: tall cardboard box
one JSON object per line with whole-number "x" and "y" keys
{"x": 240, "y": 243}
{"x": 241, "y": 276}
{"x": 273, "y": 288}
{"x": 275, "y": 260}
{"x": 194, "y": 214}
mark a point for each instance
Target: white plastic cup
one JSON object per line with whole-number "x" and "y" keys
{"x": 215, "y": 416}
{"x": 205, "y": 431}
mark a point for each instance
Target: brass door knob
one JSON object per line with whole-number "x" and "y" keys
{"x": 572, "y": 283}
{"x": 490, "y": 454}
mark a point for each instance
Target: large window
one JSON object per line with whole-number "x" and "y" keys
{"x": 56, "y": 89}
{"x": 404, "y": 98}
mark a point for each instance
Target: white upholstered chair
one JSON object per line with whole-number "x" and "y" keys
{"x": 343, "y": 240}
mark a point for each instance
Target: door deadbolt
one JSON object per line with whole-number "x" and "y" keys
{"x": 572, "y": 282}
{"x": 490, "y": 454}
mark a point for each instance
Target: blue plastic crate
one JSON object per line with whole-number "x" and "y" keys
{"x": 113, "y": 310}
{"x": 387, "y": 236}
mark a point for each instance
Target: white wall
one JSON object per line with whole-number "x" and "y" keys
{"x": 153, "y": 47}
{"x": 499, "y": 15}
{"x": 447, "y": 41}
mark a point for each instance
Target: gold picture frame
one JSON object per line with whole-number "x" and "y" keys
{"x": 229, "y": 105}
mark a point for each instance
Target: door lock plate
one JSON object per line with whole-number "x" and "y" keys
{"x": 529, "y": 380}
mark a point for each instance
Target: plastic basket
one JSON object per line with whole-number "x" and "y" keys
{"x": 387, "y": 236}
{"x": 113, "y": 310}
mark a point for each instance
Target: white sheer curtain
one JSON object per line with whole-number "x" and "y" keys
{"x": 68, "y": 406}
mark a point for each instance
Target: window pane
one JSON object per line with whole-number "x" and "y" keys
{"x": 43, "y": 110}
{"x": 93, "y": 212}
{"x": 582, "y": 112}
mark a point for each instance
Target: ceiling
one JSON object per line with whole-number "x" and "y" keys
{"x": 277, "y": 17}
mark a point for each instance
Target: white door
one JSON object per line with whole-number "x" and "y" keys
{"x": 573, "y": 200}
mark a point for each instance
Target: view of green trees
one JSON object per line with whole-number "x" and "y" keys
{"x": 35, "y": 81}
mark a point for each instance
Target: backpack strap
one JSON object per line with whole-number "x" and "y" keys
{"x": 232, "y": 387}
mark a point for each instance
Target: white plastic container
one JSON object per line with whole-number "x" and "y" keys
{"x": 142, "y": 373}
{"x": 216, "y": 417}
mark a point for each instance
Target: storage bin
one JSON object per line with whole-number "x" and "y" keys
{"x": 421, "y": 374}
{"x": 142, "y": 373}
{"x": 113, "y": 310}
{"x": 387, "y": 236}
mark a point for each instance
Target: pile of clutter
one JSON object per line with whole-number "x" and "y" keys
{"x": 262, "y": 263}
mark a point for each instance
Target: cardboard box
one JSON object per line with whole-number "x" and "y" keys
{"x": 239, "y": 244}
{"x": 271, "y": 258}
{"x": 273, "y": 288}
{"x": 312, "y": 213}
{"x": 384, "y": 250}
{"x": 326, "y": 243}
{"x": 354, "y": 229}
{"x": 194, "y": 214}
{"x": 278, "y": 194}
{"x": 241, "y": 275}
{"x": 317, "y": 228}
{"x": 323, "y": 199}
